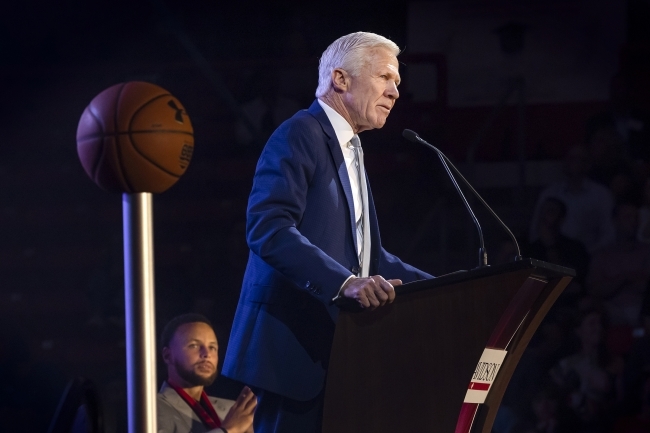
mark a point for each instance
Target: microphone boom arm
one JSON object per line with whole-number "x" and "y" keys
{"x": 414, "y": 137}
{"x": 482, "y": 259}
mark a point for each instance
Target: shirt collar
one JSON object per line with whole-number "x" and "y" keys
{"x": 342, "y": 128}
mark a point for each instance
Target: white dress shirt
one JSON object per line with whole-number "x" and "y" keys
{"x": 344, "y": 133}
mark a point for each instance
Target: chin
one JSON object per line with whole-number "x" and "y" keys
{"x": 206, "y": 380}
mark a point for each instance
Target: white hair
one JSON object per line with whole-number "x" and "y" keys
{"x": 349, "y": 53}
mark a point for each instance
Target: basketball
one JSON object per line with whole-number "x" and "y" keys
{"x": 135, "y": 137}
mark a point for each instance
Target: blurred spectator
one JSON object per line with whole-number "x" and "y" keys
{"x": 588, "y": 204}
{"x": 620, "y": 272}
{"x": 621, "y": 117}
{"x": 545, "y": 408}
{"x": 266, "y": 111}
{"x": 583, "y": 377}
{"x": 623, "y": 186}
{"x": 609, "y": 165}
{"x": 637, "y": 366}
{"x": 644, "y": 214}
{"x": 548, "y": 414}
{"x": 638, "y": 421}
{"x": 549, "y": 345}
{"x": 554, "y": 247}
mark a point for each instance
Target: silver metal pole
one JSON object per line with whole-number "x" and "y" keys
{"x": 137, "y": 216}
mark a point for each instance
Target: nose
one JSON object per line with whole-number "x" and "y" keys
{"x": 204, "y": 352}
{"x": 391, "y": 90}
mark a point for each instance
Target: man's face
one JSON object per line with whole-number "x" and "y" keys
{"x": 371, "y": 95}
{"x": 192, "y": 355}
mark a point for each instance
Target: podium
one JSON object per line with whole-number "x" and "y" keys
{"x": 407, "y": 366}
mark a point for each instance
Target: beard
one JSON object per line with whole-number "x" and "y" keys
{"x": 194, "y": 379}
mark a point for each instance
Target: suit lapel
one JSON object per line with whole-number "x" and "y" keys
{"x": 335, "y": 150}
{"x": 221, "y": 406}
{"x": 180, "y": 405}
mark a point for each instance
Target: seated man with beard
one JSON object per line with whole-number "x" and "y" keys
{"x": 190, "y": 350}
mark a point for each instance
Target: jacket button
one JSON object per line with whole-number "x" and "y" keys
{"x": 308, "y": 285}
{"x": 355, "y": 270}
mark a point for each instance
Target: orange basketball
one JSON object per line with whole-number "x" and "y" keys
{"x": 135, "y": 137}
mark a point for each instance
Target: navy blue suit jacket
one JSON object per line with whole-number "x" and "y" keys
{"x": 301, "y": 235}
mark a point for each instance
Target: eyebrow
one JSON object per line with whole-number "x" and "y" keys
{"x": 395, "y": 73}
{"x": 199, "y": 341}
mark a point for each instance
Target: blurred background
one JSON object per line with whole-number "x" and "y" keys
{"x": 542, "y": 104}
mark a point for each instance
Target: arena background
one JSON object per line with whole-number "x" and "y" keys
{"x": 61, "y": 277}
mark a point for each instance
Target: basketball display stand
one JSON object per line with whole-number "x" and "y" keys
{"x": 139, "y": 297}
{"x": 136, "y": 138}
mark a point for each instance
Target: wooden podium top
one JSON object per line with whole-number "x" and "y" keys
{"x": 540, "y": 268}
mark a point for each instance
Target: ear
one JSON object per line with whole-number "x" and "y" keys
{"x": 340, "y": 80}
{"x": 166, "y": 354}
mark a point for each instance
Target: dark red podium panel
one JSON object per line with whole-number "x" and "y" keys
{"x": 407, "y": 366}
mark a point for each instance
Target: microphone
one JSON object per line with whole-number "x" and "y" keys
{"x": 415, "y": 138}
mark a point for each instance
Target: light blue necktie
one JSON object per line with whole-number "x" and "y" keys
{"x": 363, "y": 234}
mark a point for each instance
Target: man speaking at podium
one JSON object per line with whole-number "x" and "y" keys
{"x": 313, "y": 237}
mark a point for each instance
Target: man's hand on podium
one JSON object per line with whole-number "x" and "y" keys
{"x": 370, "y": 292}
